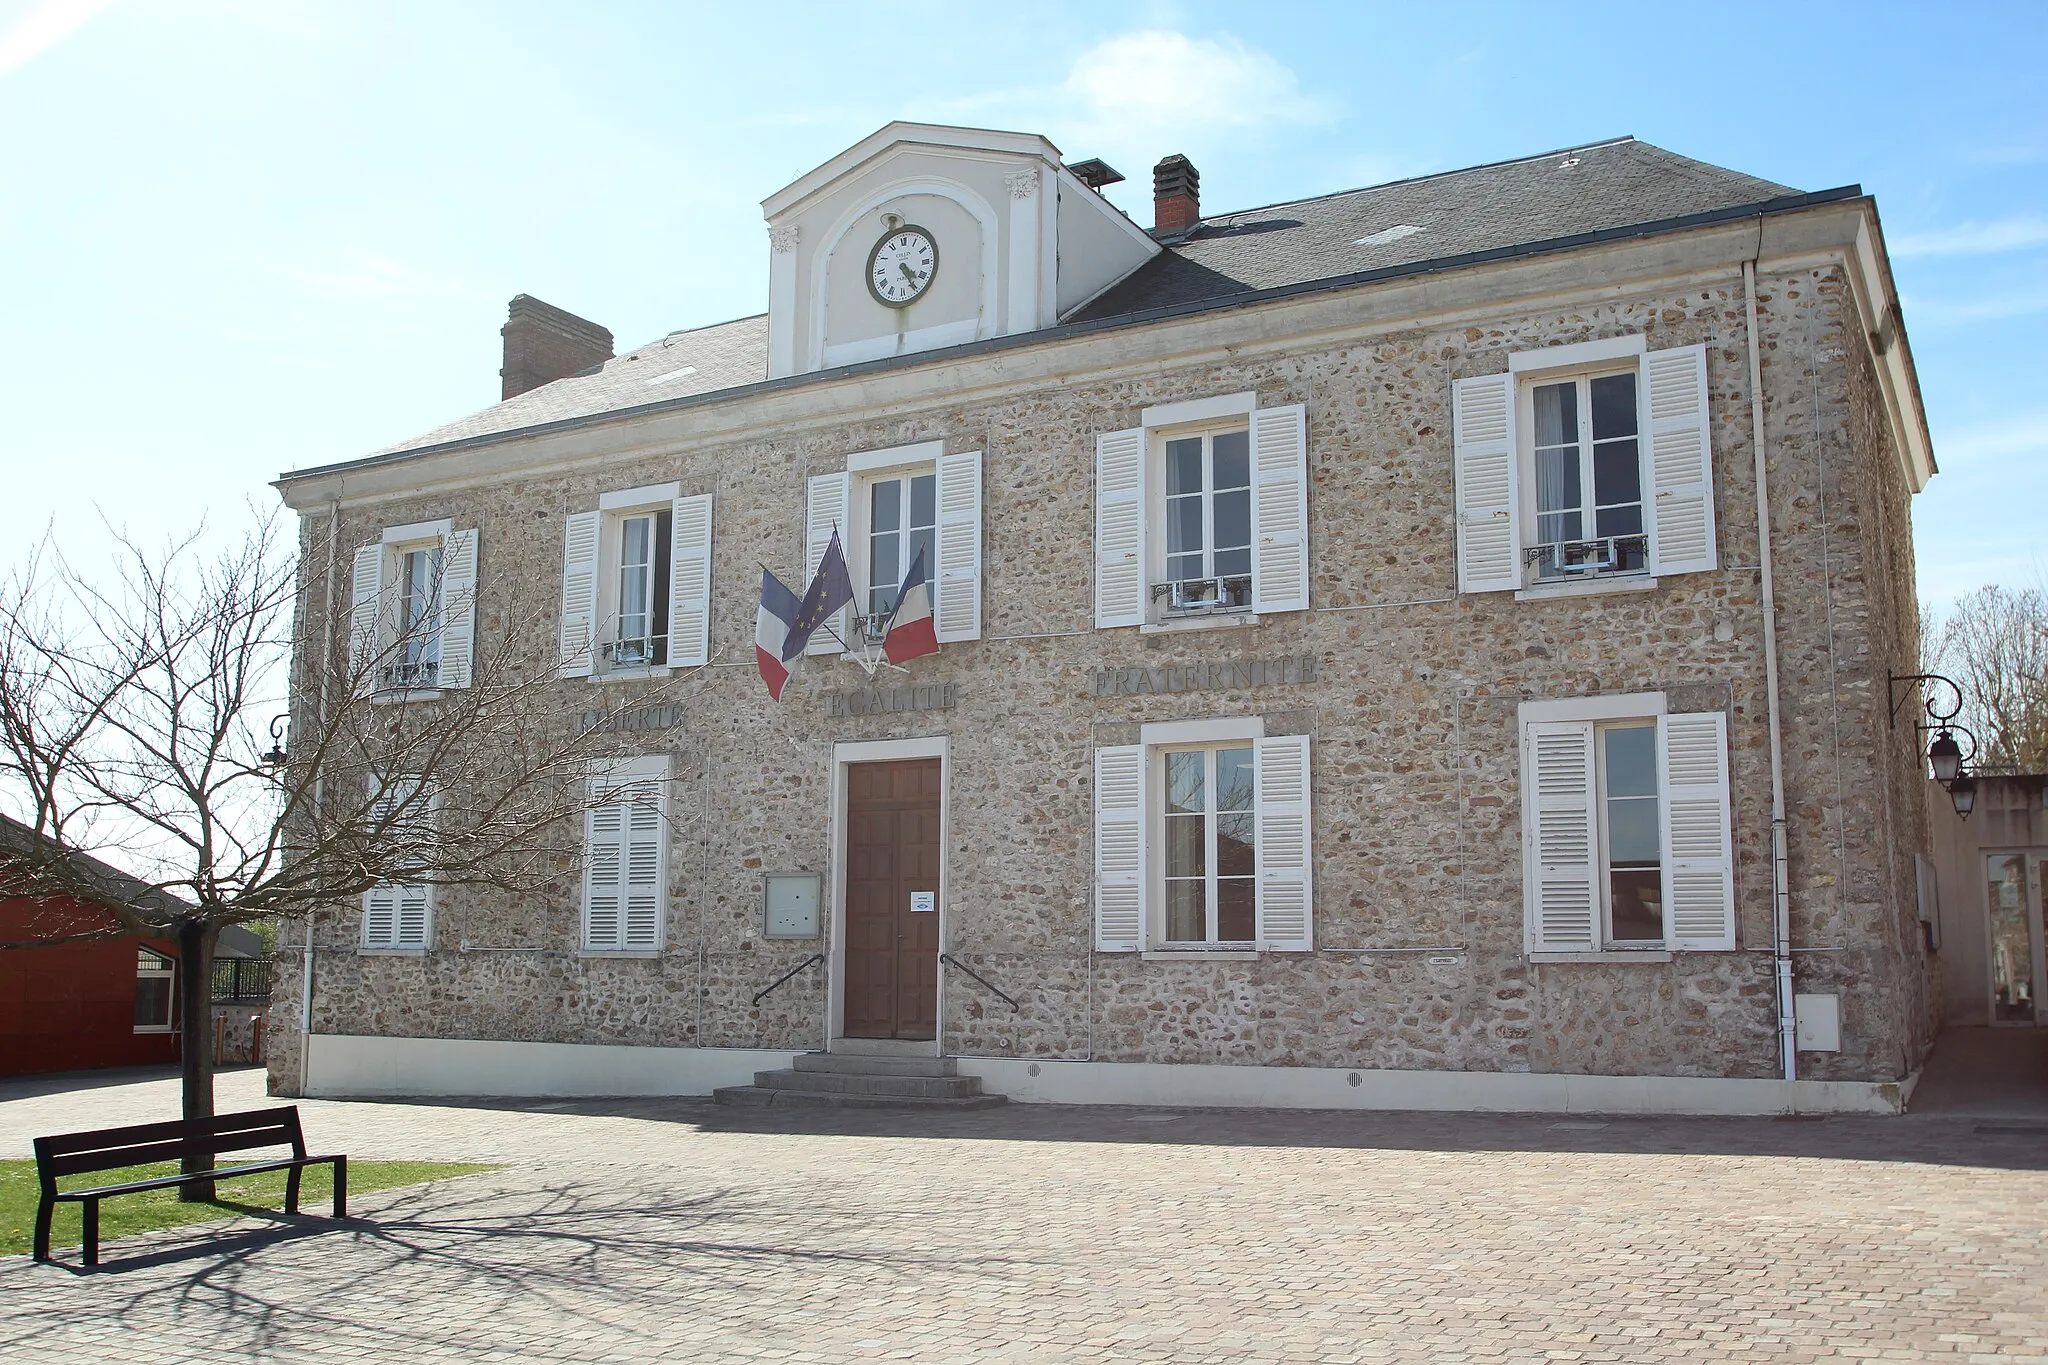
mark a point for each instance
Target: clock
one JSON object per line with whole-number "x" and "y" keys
{"x": 902, "y": 265}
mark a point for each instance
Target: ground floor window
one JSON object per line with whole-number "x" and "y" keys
{"x": 1210, "y": 872}
{"x": 154, "y": 977}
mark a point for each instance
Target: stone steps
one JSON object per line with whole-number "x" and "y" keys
{"x": 839, "y": 1080}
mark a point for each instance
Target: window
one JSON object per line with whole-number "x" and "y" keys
{"x": 886, "y": 507}
{"x": 155, "y": 977}
{"x": 625, "y": 876}
{"x": 1589, "y": 480}
{"x": 1202, "y": 512}
{"x": 399, "y": 915}
{"x": 1210, "y": 876}
{"x": 1627, "y": 827}
{"x": 636, "y": 584}
{"x": 1202, "y": 840}
{"x": 903, "y": 520}
{"x": 1208, "y": 516}
{"x": 412, "y": 619}
{"x": 1582, "y": 463}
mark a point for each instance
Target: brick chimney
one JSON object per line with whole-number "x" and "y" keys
{"x": 543, "y": 344}
{"x": 1176, "y": 197}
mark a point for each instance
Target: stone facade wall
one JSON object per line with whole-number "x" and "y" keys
{"x": 1417, "y": 789}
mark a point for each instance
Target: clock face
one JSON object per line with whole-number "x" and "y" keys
{"x": 901, "y": 266}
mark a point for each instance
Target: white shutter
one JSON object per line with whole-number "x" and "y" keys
{"x": 689, "y": 582}
{"x": 646, "y": 837}
{"x": 625, "y": 865}
{"x": 412, "y": 917}
{"x": 458, "y": 610}
{"x": 1560, "y": 824}
{"x": 380, "y": 916}
{"x": 604, "y": 870}
{"x": 1280, "y": 800}
{"x": 1483, "y": 465}
{"x": 579, "y": 594}
{"x": 364, "y": 614}
{"x": 1120, "y": 529}
{"x": 1120, "y": 849}
{"x": 1678, "y": 460}
{"x": 956, "y": 605}
{"x": 1280, "y": 509}
{"x": 831, "y": 501}
{"x": 1699, "y": 865}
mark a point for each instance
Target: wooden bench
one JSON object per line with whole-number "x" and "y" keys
{"x": 112, "y": 1148}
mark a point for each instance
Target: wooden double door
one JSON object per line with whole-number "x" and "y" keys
{"x": 893, "y": 856}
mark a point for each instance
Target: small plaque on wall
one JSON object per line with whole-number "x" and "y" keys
{"x": 791, "y": 899}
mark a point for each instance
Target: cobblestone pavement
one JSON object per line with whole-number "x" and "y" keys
{"x": 665, "y": 1230}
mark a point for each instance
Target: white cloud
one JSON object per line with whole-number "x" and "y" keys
{"x": 1974, "y": 239}
{"x": 41, "y": 27}
{"x": 1162, "y": 83}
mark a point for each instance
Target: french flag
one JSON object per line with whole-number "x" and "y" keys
{"x": 772, "y": 624}
{"x": 911, "y": 632}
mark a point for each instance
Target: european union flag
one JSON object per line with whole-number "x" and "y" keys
{"x": 831, "y": 588}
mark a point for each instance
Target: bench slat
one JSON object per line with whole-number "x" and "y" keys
{"x": 286, "y": 1116}
{"x": 107, "y": 1159}
{"x": 141, "y": 1143}
{"x": 164, "y": 1182}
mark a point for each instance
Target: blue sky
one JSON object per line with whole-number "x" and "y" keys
{"x": 240, "y": 236}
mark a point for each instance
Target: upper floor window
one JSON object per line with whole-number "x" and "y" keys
{"x": 636, "y": 583}
{"x": 888, "y": 507}
{"x": 1583, "y": 462}
{"x": 1202, "y": 511}
{"x": 412, "y": 618}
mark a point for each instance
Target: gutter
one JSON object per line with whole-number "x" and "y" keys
{"x": 1790, "y": 203}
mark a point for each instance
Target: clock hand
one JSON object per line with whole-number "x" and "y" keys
{"x": 906, "y": 272}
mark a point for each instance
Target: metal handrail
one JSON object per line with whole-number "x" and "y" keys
{"x": 813, "y": 960}
{"x": 998, "y": 991}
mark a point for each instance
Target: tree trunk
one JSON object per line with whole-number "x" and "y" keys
{"x": 195, "y": 1053}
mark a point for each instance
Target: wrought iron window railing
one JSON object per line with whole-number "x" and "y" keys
{"x": 1590, "y": 558}
{"x": 1232, "y": 593}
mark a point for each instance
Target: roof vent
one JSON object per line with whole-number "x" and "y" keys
{"x": 1095, "y": 173}
{"x": 1386, "y": 235}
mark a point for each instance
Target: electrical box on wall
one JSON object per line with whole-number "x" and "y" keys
{"x": 791, "y": 900}
{"x": 1820, "y": 1022}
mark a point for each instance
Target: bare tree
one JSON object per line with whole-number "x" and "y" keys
{"x": 1994, "y": 643}
{"x": 134, "y": 716}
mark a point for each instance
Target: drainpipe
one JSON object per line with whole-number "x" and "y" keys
{"x": 1781, "y": 880}
{"x": 319, "y": 786}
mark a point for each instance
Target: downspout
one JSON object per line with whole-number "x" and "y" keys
{"x": 1781, "y": 881}
{"x": 319, "y": 784}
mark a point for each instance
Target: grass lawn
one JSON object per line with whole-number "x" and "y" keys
{"x": 123, "y": 1214}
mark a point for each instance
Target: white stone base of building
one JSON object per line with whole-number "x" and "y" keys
{"x": 347, "y": 1066}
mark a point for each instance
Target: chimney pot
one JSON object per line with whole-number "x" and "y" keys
{"x": 1176, "y": 197}
{"x": 544, "y": 343}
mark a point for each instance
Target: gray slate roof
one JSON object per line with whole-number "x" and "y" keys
{"x": 1560, "y": 194}
{"x": 1512, "y": 203}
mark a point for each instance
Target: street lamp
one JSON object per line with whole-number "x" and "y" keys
{"x": 1944, "y": 755}
{"x": 276, "y": 758}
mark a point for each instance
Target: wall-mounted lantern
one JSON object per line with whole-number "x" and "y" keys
{"x": 1951, "y": 764}
{"x": 275, "y": 760}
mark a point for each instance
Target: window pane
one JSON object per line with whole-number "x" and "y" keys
{"x": 886, "y": 506}
{"x": 884, "y": 573}
{"x": 1617, "y": 473}
{"x": 152, "y": 1002}
{"x": 1234, "y": 836}
{"x": 1233, "y": 563}
{"x": 1233, "y": 779}
{"x": 1632, "y": 835}
{"x": 1184, "y": 465}
{"x": 1181, "y": 568}
{"x": 634, "y": 541}
{"x": 1557, "y": 414}
{"x": 1233, "y": 459}
{"x": 921, "y": 540}
{"x": 1236, "y": 911}
{"x": 2012, "y": 941}
{"x": 1622, "y": 521}
{"x": 1184, "y": 791}
{"x": 1233, "y": 519}
{"x": 1631, "y": 753}
{"x": 1183, "y": 525}
{"x": 1614, "y": 406}
{"x": 1557, "y": 480}
{"x": 1186, "y": 918}
{"x": 1186, "y": 853}
{"x": 1638, "y": 899}
{"x": 924, "y": 499}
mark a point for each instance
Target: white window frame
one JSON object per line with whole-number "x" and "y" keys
{"x": 617, "y": 508}
{"x": 652, "y": 769}
{"x": 167, "y": 972}
{"x": 1581, "y": 377}
{"x": 1160, "y": 606}
{"x": 1157, "y": 766}
{"x": 1608, "y": 942}
{"x": 856, "y": 538}
{"x": 393, "y": 681}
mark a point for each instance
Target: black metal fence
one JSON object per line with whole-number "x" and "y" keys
{"x": 241, "y": 978}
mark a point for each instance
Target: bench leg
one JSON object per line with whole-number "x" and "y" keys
{"x": 45, "y": 1211}
{"x": 341, "y": 1187}
{"x": 91, "y": 1209}
{"x": 291, "y": 1189}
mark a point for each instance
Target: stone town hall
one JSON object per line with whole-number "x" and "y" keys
{"x": 1417, "y": 647}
